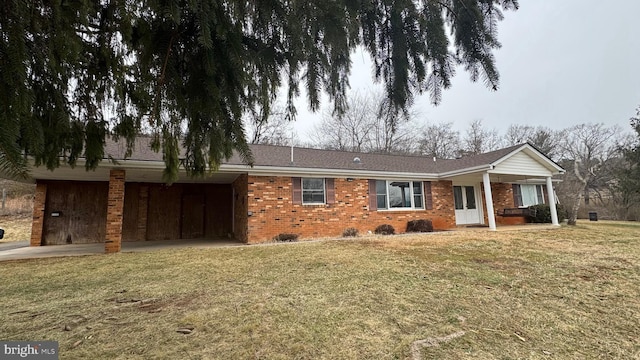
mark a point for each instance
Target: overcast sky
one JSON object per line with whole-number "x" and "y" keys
{"x": 562, "y": 62}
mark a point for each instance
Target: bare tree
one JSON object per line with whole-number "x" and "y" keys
{"x": 626, "y": 188}
{"x": 588, "y": 153}
{"x": 351, "y": 131}
{"x": 541, "y": 137}
{"x": 546, "y": 140}
{"x": 368, "y": 125}
{"x": 518, "y": 134}
{"x": 478, "y": 140}
{"x": 440, "y": 140}
{"x": 274, "y": 129}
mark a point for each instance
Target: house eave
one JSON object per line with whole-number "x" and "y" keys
{"x": 466, "y": 171}
{"x": 158, "y": 166}
{"x": 323, "y": 172}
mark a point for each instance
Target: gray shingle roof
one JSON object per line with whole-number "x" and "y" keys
{"x": 280, "y": 156}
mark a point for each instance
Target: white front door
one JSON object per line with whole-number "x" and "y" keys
{"x": 466, "y": 205}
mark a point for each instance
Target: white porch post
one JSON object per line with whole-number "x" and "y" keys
{"x": 488, "y": 197}
{"x": 552, "y": 202}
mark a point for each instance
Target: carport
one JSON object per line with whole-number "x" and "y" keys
{"x": 129, "y": 202}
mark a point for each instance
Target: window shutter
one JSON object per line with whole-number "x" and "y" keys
{"x": 373, "y": 200}
{"x": 296, "y": 190}
{"x": 517, "y": 195}
{"x": 428, "y": 198}
{"x": 330, "y": 190}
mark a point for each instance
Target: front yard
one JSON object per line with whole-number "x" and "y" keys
{"x": 16, "y": 227}
{"x": 570, "y": 293}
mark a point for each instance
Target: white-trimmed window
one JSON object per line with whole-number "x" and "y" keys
{"x": 399, "y": 195}
{"x": 525, "y": 195}
{"x": 313, "y": 191}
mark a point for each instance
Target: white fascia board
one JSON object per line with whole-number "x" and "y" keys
{"x": 466, "y": 171}
{"x": 124, "y": 164}
{"x": 536, "y": 181}
{"x": 269, "y": 170}
{"x": 320, "y": 172}
{"x": 133, "y": 164}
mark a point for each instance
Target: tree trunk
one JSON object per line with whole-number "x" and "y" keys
{"x": 573, "y": 214}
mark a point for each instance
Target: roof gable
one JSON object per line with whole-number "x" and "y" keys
{"x": 526, "y": 160}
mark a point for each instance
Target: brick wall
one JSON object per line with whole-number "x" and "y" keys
{"x": 37, "y": 225}
{"x": 502, "y": 198}
{"x": 240, "y": 208}
{"x": 270, "y": 203}
{"x": 115, "y": 209}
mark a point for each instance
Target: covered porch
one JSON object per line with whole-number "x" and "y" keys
{"x": 485, "y": 195}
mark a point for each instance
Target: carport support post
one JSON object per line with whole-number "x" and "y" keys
{"x": 37, "y": 224}
{"x": 488, "y": 197}
{"x": 552, "y": 202}
{"x": 115, "y": 207}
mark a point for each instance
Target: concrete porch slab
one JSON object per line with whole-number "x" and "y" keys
{"x": 529, "y": 227}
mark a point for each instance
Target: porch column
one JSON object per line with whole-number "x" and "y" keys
{"x": 115, "y": 207}
{"x": 552, "y": 202}
{"x": 488, "y": 199}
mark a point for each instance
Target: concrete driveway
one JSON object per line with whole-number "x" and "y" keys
{"x": 21, "y": 250}
{"x": 13, "y": 245}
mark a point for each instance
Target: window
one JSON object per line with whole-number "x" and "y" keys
{"x": 528, "y": 195}
{"x": 457, "y": 197}
{"x": 399, "y": 194}
{"x": 313, "y": 191}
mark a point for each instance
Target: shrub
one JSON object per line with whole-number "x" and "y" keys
{"x": 562, "y": 213}
{"x": 385, "y": 229}
{"x": 285, "y": 237}
{"x": 543, "y": 213}
{"x": 350, "y": 232}
{"x": 420, "y": 225}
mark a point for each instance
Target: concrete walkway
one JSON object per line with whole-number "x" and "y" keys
{"x": 20, "y": 249}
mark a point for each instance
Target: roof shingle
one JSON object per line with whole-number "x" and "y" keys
{"x": 280, "y": 156}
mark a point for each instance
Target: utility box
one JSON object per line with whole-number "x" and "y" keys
{"x": 593, "y": 216}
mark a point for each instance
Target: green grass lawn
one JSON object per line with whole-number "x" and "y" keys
{"x": 570, "y": 293}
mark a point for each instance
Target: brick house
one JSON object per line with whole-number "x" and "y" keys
{"x": 309, "y": 192}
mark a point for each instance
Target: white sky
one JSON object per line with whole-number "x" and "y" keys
{"x": 562, "y": 62}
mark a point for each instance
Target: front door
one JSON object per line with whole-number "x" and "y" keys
{"x": 466, "y": 205}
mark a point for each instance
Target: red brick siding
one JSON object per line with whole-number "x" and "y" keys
{"x": 269, "y": 200}
{"x": 37, "y": 224}
{"x": 115, "y": 207}
{"x": 502, "y": 198}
